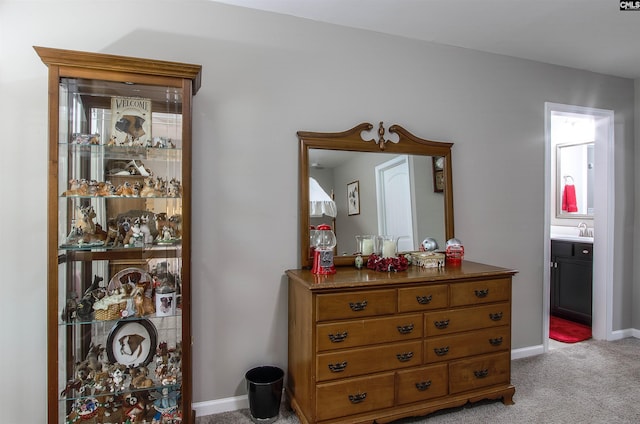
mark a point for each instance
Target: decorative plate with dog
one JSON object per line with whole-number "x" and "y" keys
{"x": 132, "y": 343}
{"x": 131, "y": 276}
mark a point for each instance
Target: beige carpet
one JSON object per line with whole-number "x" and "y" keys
{"x": 588, "y": 382}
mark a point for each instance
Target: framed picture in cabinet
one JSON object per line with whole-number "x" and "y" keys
{"x": 132, "y": 343}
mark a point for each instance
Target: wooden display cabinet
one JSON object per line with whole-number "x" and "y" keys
{"x": 119, "y": 196}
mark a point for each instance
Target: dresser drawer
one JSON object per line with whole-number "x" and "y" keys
{"x": 467, "y": 344}
{"x": 346, "y": 334}
{"x": 487, "y": 370}
{"x": 464, "y": 319}
{"x": 354, "y": 396}
{"x": 355, "y": 304}
{"x": 477, "y": 292}
{"x": 359, "y": 361}
{"x": 422, "y": 384}
{"x": 423, "y": 298}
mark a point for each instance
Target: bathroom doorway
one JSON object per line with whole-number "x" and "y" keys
{"x": 602, "y": 227}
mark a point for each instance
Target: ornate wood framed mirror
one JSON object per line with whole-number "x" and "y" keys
{"x": 395, "y": 180}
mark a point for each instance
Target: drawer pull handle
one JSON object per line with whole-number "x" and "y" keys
{"x": 482, "y": 293}
{"x": 496, "y": 317}
{"x": 404, "y": 357}
{"x": 339, "y": 337}
{"x": 495, "y": 342}
{"x": 585, "y": 251}
{"x": 339, "y": 367}
{"x": 423, "y": 385}
{"x": 405, "y": 329}
{"x": 441, "y": 351}
{"x": 358, "y": 306}
{"x": 357, "y": 398}
{"x": 481, "y": 373}
{"x": 441, "y": 324}
{"x": 424, "y": 300}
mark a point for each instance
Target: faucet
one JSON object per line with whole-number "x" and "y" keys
{"x": 584, "y": 231}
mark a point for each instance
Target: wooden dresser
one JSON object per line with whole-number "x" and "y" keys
{"x": 368, "y": 346}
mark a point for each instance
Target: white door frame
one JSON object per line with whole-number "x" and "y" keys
{"x": 604, "y": 199}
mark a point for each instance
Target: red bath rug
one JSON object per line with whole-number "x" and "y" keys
{"x": 568, "y": 331}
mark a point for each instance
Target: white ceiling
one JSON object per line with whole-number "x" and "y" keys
{"x": 594, "y": 35}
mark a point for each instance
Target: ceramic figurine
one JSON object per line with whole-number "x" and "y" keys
{"x": 145, "y": 230}
{"x": 165, "y": 403}
{"x": 135, "y": 407}
{"x": 143, "y": 305}
{"x": 140, "y": 378}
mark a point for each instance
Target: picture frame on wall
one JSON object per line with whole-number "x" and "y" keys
{"x": 438, "y": 174}
{"x": 353, "y": 198}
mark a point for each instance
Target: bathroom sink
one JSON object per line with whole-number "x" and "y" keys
{"x": 561, "y": 232}
{"x": 567, "y": 237}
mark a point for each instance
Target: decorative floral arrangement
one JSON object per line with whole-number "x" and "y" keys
{"x": 394, "y": 264}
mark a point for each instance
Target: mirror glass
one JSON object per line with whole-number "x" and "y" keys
{"x": 409, "y": 176}
{"x": 403, "y": 189}
{"x": 574, "y": 180}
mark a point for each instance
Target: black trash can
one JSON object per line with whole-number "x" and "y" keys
{"x": 264, "y": 387}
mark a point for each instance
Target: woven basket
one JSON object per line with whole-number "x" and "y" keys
{"x": 112, "y": 312}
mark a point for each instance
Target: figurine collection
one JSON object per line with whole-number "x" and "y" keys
{"x": 105, "y": 391}
{"x": 151, "y": 187}
{"x": 130, "y": 293}
{"x": 94, "y": 139}
{"x": 108, "y": 393}
{"x": 134, "y": 229}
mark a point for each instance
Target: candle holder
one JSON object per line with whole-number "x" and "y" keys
{"x": 387, "y": 246}
{"x": 366, "y": 244}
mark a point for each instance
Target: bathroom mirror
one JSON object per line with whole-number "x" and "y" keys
{"x": 360, "y": 158}
{"x": 574, "y": 180}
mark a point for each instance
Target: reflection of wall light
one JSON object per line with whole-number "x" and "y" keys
{"x": 572, "y": 129}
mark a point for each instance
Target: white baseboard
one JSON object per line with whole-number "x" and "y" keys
{"x": 525, "y": 352}
{"x": 218, "y": 406}
{"x": 623, "y": 334}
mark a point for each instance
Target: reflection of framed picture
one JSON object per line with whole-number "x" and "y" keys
{"x": 132, "y": 343}
{"x": 438, "y": 174}
{"x": 353, "y": 198}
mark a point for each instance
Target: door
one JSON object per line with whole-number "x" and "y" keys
{"x": 395, "y": 205}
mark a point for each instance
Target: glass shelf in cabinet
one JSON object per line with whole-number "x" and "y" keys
{"x": 101, "y": 247}
{"x": 73, "y": 322}
{"x": 90, "y": 386}
{"x": 116, "y": 152}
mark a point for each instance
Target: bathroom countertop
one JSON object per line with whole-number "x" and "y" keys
{"x": 566, "y": 237}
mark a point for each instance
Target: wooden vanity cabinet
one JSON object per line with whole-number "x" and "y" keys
{"x": 572, "y": 280}
{"x": 367, "y": 346}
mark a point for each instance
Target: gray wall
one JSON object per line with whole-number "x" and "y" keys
{"x": 265, "y": 77}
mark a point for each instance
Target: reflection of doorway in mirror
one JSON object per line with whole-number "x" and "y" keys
{"x": 395, "y": 207}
